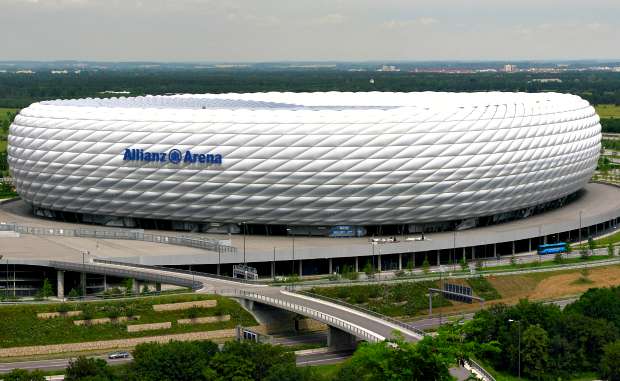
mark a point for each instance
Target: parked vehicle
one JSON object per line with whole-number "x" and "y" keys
{"x": 118, "y": 355}
{"x": 552, "y": 248}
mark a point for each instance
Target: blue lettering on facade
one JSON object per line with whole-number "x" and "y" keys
{"x": 173, "y": 156}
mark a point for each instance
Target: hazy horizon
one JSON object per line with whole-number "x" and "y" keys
{"x": 245, "y": 31}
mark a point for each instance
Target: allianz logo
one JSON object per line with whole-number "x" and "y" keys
{"x": 173, "y": 156}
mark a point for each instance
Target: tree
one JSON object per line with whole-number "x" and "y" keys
{"x": 128, "y": 285}
{"x": 591, "y": 244}
{"x": 426, "y": 266}
{"x": 290, "y": 372}
{"x": 610, "y": 363}
{"x": 426, "y": 360}
{"x": 145, "y": 289}
{"x": 369, "y": 270}
{"x": 84, "y": 368}
{"x": 73, "y": 294}
{"x": 46, "y": 290}
{"x": 24, "y": 375}
{"x": 558, "y": 258}
{"x": 585, "y": 254}
{"x": 534, "y": 353}
{"x": 513, "y": 260}
{"x": 464, "y": 264}
{"x": 183, "y": 361}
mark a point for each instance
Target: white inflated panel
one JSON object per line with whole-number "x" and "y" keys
{"x": 306, "y": 158}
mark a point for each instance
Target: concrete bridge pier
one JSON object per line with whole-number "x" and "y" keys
{"x": 274, "y": 319}
{"x": 340, "y": 340}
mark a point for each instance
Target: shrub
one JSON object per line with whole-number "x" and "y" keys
{"x": 558, "y": 258}
{"x": 369, "y": 270}
{"x": 145, "y": 289}
{"x": 73, "y": 294}
{"x": 192, "y": 313}
{"x": 113, "y": 312}
{"x": 88, "y": 311}
{"x": 62, "y": 308}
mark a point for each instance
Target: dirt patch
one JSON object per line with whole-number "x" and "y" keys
{"x": 566, "y": 284}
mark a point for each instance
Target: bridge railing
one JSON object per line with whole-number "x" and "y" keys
{"x": 175, "y": 270}
{"x": 361, "y": 309}
{"x": 125, "y": 234}
{"x": 306, "y": 311}
{"x": 157, "y": 277}
{"x": 486, "y": 376}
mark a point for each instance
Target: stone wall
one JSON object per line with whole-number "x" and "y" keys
{"x": 185, "y": 305}
{"x": 204, "y": 320}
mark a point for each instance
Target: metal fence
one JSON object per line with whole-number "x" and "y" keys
{"x": 178, "y": 271}
{"x": 125, "y": 234}
{"x": 486, "y": 376}
{"x": 364, "y": 310}
{"x": 157, "y": 277}
{"x": 306, "y": 311}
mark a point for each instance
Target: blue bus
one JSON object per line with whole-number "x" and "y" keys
{"x": 552, "y": 248}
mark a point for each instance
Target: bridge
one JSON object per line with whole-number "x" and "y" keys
{"x": 346, "y": 325}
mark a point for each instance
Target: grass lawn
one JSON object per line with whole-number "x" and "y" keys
{"x": 20, "y": 326}
{"x": 608, "y": 111}
{"x": 326, "y": 372}
{"x": 398, "y": 299}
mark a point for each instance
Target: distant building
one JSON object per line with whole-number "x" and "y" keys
{"x": 547, "y": 80}
{"x": 510, "y": 68}
{"x": 24, "y": 72}
{"x": 59, "y": 72}
{"x": 388, "y": 68}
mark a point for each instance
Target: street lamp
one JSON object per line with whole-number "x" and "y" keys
{"x": 580, "y": 226}
{"x": 519, "y": 323}
{"x": 84, "y": 254}
{"x": 244, "y": 229}
{"x": 290, "y": 231}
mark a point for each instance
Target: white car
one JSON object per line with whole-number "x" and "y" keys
{"x": 118, "y": 355}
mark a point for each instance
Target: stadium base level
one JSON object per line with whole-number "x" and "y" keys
{"x": 336, "y": 231}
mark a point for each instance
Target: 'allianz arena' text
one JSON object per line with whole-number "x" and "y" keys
{"x": 304, "y": 159}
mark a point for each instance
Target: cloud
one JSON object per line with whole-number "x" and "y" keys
{"x": 404, "y": 24}
{"x": 329, "y": 19}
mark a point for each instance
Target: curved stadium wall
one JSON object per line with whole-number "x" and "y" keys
{"x": 304, "y": 159}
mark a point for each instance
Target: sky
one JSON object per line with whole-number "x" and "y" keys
{"x": 308, "y": 30}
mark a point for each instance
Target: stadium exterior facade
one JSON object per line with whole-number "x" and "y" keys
{"x": 304, "y": 160}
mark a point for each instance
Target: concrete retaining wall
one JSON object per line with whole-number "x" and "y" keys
{"x": 204, "y": 320}
{"x": 185, "y": 305}
{"x": 148, "y": 327}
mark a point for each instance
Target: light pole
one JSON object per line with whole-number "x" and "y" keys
{"x": 580, "y": 226}
{"x": 290, "y": 231}
{"x": 519, "y": 323}
{"x": 84, "y": 254}
{"x": 454, "y": 248}
{"x": 244, "y": 229}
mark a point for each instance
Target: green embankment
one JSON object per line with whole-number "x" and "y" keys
{"x": 19, "y": 325}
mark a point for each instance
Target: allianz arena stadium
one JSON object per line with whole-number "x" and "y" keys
{"x": 304, "y": 160}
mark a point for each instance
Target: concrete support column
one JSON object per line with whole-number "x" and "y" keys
{"x": 300, "y": 268}
{"x": 495, "y": 250}
{"x": 513, "y": 247}
{"x": 60, "y": 284}
{"x": 438, "y": 258}
{"x": 331, "y": 269}
{"x": 400, "y": 261}
{"x": 218, "y": 269}
{"x": 379, "y": 263}
{"x": 136, "y": 286}
{"x": 105, "y": 282}
{"x": 338, "y": 339}
{"x": 83, "y": 283}
{"x": 473, "y": 253}
{"x": 357, "y": 265}
{"x": 529, "y": 244}
{"x": 273, "y": 269}
{"x": 465, "y": 254}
